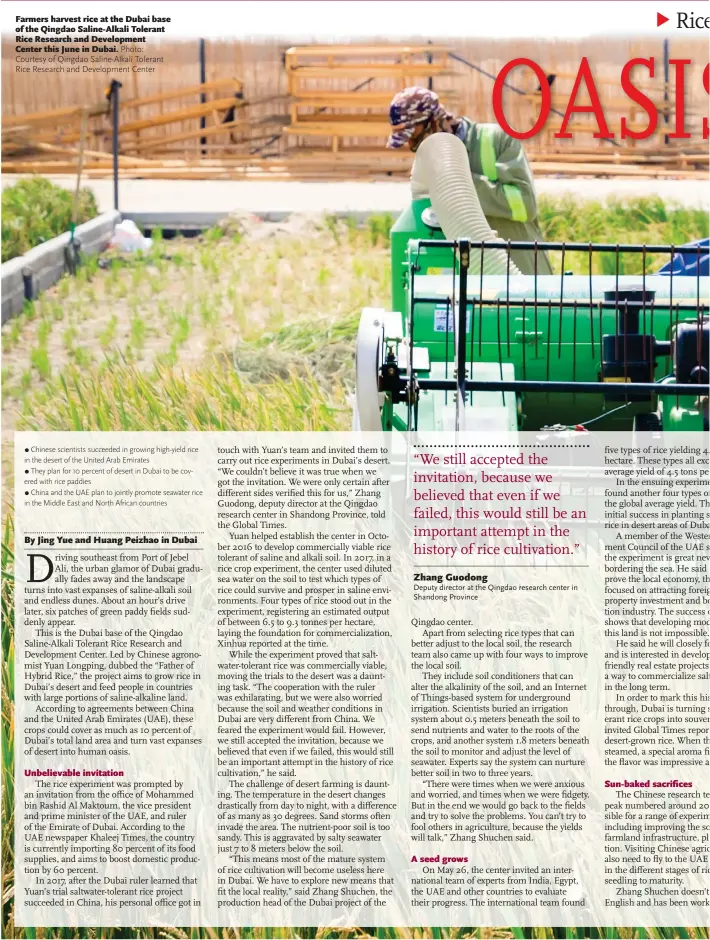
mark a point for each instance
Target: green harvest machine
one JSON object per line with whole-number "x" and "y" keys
{"x": 464, "y": 351}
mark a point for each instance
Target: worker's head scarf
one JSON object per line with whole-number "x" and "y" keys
{"x": 415, "y": 106}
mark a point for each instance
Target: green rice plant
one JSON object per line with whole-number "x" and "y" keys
{"x": 136, "y": 279}
{"x": 64, "y": 286}
{"x": 209, "y": 313}
{"x": 56, "y": 310}
{"x": 332, "y": 224}
{"x": 11, "y": 335}
{"x": 169, "y": 358}
{"x": 181, "y": 329}
{"x": 123, "y": 398}
{"x": 81, "y": 356}
{"x": 213, "y": 235}
{"x": 351, "y": 225}
{"x": 358, "y": 267}
{"x": 90, "y": 264}
{"x": 39, "y": 358}
{"x": 611, "y": 263}
{"x": 111, "y": 279}
{"x": 89, "y": 296}
{"x": 207, "y": 260}
{"x": 43, "y": 330}
{"x": 29, "y": 310}
{"x": 83, "y": 274}
{"x": 68, "y": 337}
{"x": 34, "y": 210}
{"x": 121, "y": 288}
{"x": 379, "y": 226}
{"x": 138, "y": 331}
{"x": 644, "y": 220}
{"x": 108, "y": 335}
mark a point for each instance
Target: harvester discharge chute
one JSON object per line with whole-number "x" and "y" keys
{"x": 470, "y": 344}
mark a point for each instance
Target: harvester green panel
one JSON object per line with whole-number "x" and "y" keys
{"x": 548, "y": 328}
{"x": 407, "y": 227}
{"x": 681, "y": 413}
{"x": 494, "y": 411}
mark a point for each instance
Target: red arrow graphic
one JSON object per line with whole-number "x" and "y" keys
{"x": 661, "y": 19}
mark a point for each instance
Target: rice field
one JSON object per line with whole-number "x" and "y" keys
{"x": 35, "y": 210}
{"x": 249, "y": 327}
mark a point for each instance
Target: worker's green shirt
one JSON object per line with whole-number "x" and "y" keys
{"x": 506, "y": 190}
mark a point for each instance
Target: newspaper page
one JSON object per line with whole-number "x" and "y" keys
{"x": 355, "y": 470}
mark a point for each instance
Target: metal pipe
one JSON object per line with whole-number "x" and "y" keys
{"x": 442, "y": 173}
{"x": 464, "y": 259}
{"x": 114, "y": 97}
{"x": 599, "y": 304}
{"x": 28, "y": 285}
{"x": 203, "y": 99}
{"x": 484, "y": 385}
{"x": 499, "y": 244}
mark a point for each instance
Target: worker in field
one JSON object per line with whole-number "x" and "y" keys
{"x": 500, "y": 170}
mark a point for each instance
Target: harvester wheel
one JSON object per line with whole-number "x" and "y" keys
{"x": 368, "y": 359}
